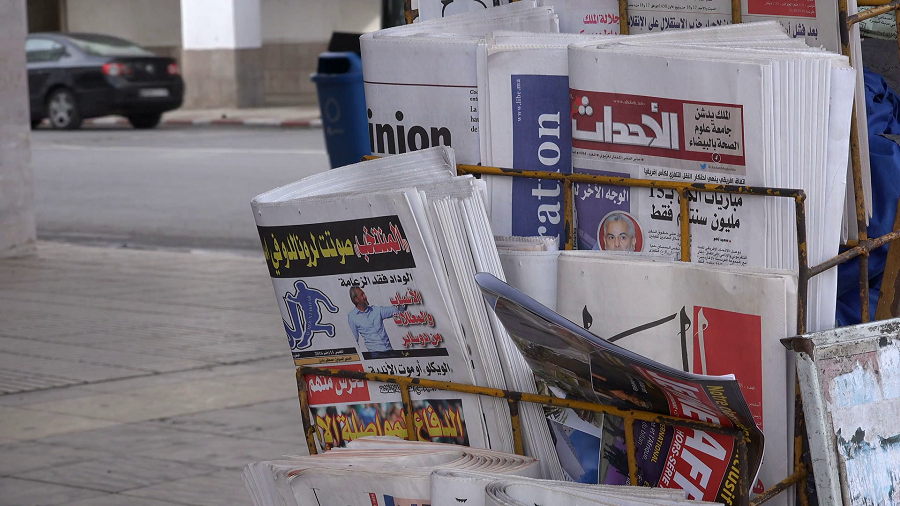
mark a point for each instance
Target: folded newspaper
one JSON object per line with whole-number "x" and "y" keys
{"x": 372, "y": 471}
{"x": 577, "y": 364}
{"x": 373, "y": 267}
{"x": 386, "y": 471}
{"x": 476, "y": 488}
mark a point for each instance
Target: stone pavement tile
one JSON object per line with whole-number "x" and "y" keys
{"x": 244, "y": 421}
{"x": 222, "y": 488}
{"x": 221, "y": 451}
{"x": 95, "y": 356}
{"x": 121, "y": 500}
{"x": 81, "y": 372}
{"x": 291, "y": 437}
{"x": 117, "y": 474}
{"x": 25, "y": 424}
{"x": 17, "y": 492}
{"x": 162, "y": 401}
{"x": 28, "y": 456}
{"x": 282, "y": 362}
{"x": 121, "y": 440}
{"x": 53, "y": 394}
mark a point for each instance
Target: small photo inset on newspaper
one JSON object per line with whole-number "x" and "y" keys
{"x": 620, "y": 231}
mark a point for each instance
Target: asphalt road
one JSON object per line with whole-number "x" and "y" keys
{"x": 184, "y": 188}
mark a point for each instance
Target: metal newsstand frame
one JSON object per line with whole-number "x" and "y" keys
{"x": 888, "y": 305}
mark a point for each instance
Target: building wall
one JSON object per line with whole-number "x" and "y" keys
{"x": 17, "y": 228}
{"x": 154, "y": 24}
{"x": 294, "y": 32}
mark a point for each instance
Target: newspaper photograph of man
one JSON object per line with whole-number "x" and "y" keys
{"x": 367, "y": 321}
{"x": 619, "y": 231}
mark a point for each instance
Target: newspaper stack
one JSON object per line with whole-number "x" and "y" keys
{"x": 421, "y": 79}
{"x": 575, "y": 363}
{"x": 473, "y": 488}
{"x": 691, "y": 317}
{"x": 743, "y": 105}
{"x": 372, "y": 471}
{"x": 373, "y": 265}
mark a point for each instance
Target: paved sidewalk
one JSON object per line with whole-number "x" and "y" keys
{"x": 139, "y": 377}
{"x": 303, "y": 116}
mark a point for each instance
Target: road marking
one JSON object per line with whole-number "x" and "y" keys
{"x": 211, "y": 151}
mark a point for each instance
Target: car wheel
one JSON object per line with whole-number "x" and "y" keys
{"x": 62, "y": 110}
{"x": 36, "y": 123}
{"x": 144, "y": 121}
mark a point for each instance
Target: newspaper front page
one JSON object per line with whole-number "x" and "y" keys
{"x": 569, "y": 358}
{"x": 358, "y": 291}
{"x": 691, "y": 129}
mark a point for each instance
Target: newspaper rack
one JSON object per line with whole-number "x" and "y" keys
{"x": 889, "y": 299}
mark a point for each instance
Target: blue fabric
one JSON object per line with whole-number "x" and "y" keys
{"x": 883, "y": 109}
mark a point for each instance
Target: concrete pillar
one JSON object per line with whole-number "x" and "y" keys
{"x": 17, "y": 230}
{"x": 222, "y": 57}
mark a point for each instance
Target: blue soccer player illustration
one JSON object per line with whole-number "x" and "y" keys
{"x": 303, "y": 326}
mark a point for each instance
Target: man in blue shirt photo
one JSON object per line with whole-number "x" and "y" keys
{"x": 368, "y": 322}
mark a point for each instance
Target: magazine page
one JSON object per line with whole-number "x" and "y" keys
{"x": 698, "y": 319}
{"x": 678, "y": 125}
{"x": 358, "y": 291}
{"x": 586, "y": 367}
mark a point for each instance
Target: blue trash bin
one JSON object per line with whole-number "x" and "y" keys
{"x": 342, "y": 101}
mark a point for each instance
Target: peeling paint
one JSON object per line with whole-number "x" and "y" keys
{"x": 855, "y": 377}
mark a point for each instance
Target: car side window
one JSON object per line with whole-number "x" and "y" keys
{"x": 43, "y": 50}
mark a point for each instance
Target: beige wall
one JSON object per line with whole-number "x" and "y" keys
{"x": 294, "y": 32}
{"x": 149, "y": 23}
{"x": 314, "y": 20}
{"x": 17, "y": 229}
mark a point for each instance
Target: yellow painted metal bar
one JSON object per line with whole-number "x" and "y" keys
{"x": 685, "y": 216}
{"x": 736, "y": 11}
{"x": 631, "y": 451}
{"x": 408, "y": 413}
{"x": 623, "y": 17}
{"x": 636, "y": 183}
{"x": 871, "y": 13}
{"x": 404, "y": 381}
{"x": 516, "y": 422}
{"x": 569, "y": 209}
{"x": 308, "y": 427}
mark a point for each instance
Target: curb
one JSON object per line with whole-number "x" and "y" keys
{"x": 249, "y": 122}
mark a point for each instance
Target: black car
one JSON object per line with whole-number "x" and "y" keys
{"x": 75, "y": 76}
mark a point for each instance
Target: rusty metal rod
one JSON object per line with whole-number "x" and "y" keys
{"x": 408, "y": 413}
{"x": 871, "y": 13}
{"x": 516, "y": 423}
{"x": 623, "y": 17}
{"x": 636, "y": 183}
{"x": 685, "y": 215}
{"x": 736, "y": 9}
{"x": 631, "y": 451}
{"x": 864, "y": 247}
{"x": 521, "y": 396}
{"x": 889, "y": 295}
{"x": 308, "y": 426}
{"x": 798, "y": 476}
{"x": 803, "y": 274}
{"x": 569, "y": 209}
